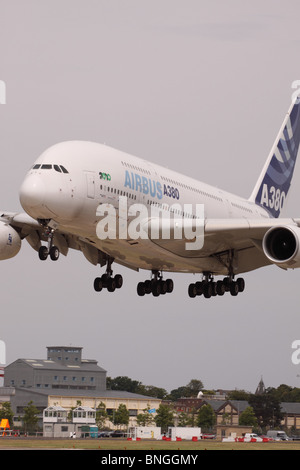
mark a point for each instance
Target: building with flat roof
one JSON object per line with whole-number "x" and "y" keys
{"x": 64, "y": 368}
{"x": 66, "y": 379}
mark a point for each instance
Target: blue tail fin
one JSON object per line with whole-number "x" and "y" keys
{"x": 274, "y": 182}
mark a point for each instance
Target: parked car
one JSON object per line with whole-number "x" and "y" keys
{"x": 104, "y": 434}
{"x": 118, "y": 434}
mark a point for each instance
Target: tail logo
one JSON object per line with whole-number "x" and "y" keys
{"x": 277, "y": 179}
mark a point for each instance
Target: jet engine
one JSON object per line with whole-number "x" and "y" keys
{"x": 281, "y": 245}
{"x": 10, "y": 242}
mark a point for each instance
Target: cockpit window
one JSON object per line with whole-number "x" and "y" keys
{"x": 46, "y": 167}
{"x": 63, "y": 169}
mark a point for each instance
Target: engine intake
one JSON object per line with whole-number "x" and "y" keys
{"x": 10, "y": 242}
{"x": 281, "y": 246}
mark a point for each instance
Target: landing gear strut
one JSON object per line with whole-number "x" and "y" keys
{"x": 107, "y": 281}
{"x": 209, "y": 288}
{"x": 50, "y": 249}
{"x": 157, "y": 286}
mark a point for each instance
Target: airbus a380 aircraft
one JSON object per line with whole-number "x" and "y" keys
{"x": 67, "y": 190}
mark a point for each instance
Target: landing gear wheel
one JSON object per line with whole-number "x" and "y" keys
{"x": 118, "y": 281}
{"x": 213, "y": 288}
{"x": 234, "y": 288}
{"x": 199, "y": 287}
{"x": 54, "y": 253}
{"x": 98, "y": 284}
{"x": 241, "y": 284}
{"x": 141, "y": 289}
{"x": 148, "y": 286}
{"x": 221, "y": 288}
{"x": 207, "y": 291}
{"x": 192, "y": 290}
{"x": 156, "y": 288}
{"x": 43, "y": 253}
{"x": 170, "y": 285}
{"x": 163, "y": 287}
{"x": 156, "y": 285}
{"x": 111, "y": 284}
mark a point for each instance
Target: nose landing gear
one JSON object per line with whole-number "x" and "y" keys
{"x": 49, "y": 250}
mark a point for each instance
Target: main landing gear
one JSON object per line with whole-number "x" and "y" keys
{"x": 107, "y": 280}
{"x": 49, "y": 250}
{"x": 157, "y": 286}
{"x": 209, "y": 288}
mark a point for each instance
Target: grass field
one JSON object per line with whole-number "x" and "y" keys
{"x": 123, "y": 444}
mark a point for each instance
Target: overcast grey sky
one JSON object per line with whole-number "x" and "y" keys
{"x": 200, "y": 87}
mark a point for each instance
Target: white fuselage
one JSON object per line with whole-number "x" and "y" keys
{"x": 69, "y": 181}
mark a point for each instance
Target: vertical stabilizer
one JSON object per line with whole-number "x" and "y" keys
{"x": 275, "y": 179}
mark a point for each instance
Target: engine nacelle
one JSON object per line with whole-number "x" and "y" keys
{"x": 10, "y": 241}
{"x": 281, "y": 245}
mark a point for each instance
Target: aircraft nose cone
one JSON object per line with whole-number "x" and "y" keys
{"x": 32, "y": 192}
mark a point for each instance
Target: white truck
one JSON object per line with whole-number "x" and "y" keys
{"x": 145, "y": 432}
{"x": 278, "y": 435}
{"x": 176, "y": 433}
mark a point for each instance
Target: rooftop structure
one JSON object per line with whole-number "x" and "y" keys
{"x": 64, "y": 368}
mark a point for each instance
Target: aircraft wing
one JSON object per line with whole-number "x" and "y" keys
{"x": 247, "y": 237}
{"x": 213, "y": 238}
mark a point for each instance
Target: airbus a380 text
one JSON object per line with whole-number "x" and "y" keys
{"x": 74, "y": 188}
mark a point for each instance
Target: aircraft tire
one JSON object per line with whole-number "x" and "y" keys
{"x": 141, "y": 289}
{"x": 234, "y": 288}
{"x": 54, "y": 253}
{"x": 118, "y": 281}
{"x": 98, "y": 284}
{"x": 43, "y": 253}
{"x": 170, "y": 285}
{"x": 192, "y": 291}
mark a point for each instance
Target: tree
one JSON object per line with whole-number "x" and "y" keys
{"x": 238, "y": 395}
{"x": 164, "y": 417}
{"x": 121, "y": 416}
{"x": 6, "y": 412}
{"x": 124, "y": 383}
{"x": 152, "y": 391}
{"x": 184, "y": 419}
{"x": 206, "y": 417}
{"x": 248, "y": 418}
{"x": 101, "y": 415}
{"x": 190, "y": 390}
{"x": 146, "y": 418}
{"x": 30, "y": 418}
{"x": 178, "y": 393}
{"x": 194, "y": 387}
{"x": 266, "y": 409}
